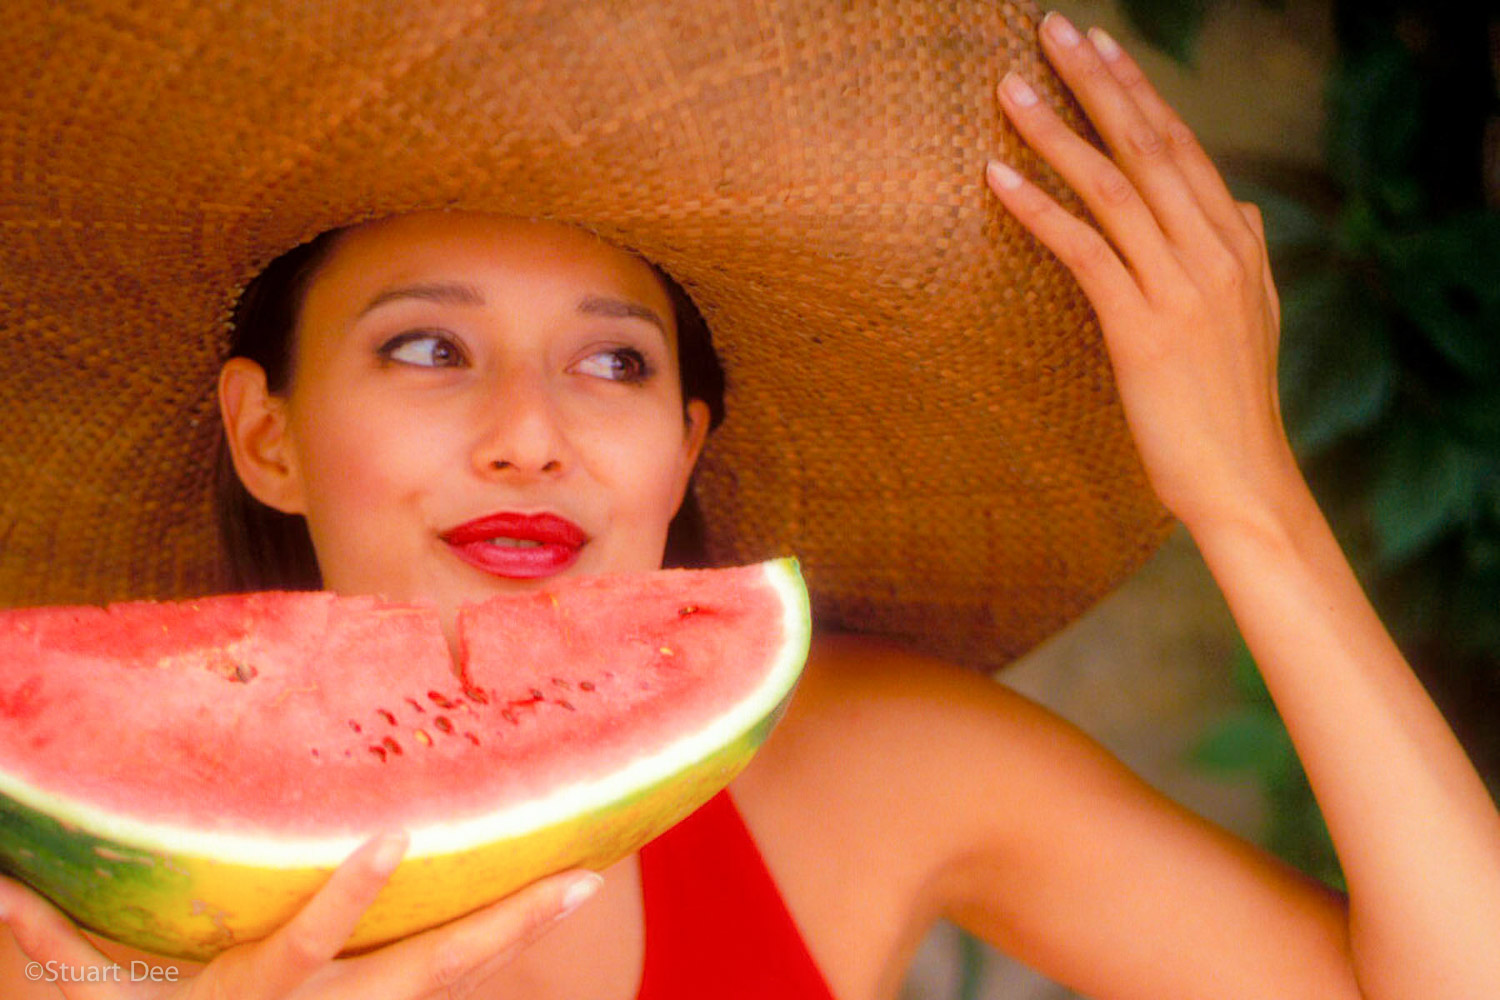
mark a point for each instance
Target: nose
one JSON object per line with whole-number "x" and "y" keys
{"x": 520, "y": 431}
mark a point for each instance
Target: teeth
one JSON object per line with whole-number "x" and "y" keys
{"x": 516, "y": 543}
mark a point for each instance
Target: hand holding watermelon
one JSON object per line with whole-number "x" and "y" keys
{"x": 298, "y": 960}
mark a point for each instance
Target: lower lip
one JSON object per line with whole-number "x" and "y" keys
{"x": 517, "y": 562}
{"x": 556, "y": 543}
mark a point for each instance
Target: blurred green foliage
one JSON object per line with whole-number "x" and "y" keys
{"x": 1389, "y": 270}
{"x": 1173, "y": 26}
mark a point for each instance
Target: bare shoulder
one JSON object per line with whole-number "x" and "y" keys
{"x": 878, "y": 730}
{"x": 876, "y": 707}
{"x": 989, "y": 809}
{"x": 889, "y": 745}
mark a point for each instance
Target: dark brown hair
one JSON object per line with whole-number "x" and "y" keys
{"x": 268, "y": 550}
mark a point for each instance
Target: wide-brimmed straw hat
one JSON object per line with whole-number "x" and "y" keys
{"x": 920, "y": 407}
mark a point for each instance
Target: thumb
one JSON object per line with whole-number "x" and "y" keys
{"x": 280, "y": 963}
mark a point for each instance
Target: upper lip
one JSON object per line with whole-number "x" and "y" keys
{"x": 549, "y": 529}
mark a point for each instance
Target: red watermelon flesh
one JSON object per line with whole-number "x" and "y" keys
{"x": 279, "y": 729}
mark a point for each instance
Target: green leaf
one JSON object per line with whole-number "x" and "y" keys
{"x": 1247, "y": 678}
{"x": 1426, "y": 484}
{"x": 1474, "y": 608}
{"x": 1446, "y": 279}
{"x": 1338, "y": 368}
{"x": 1375, "y": 117}
{"x": 1472, "y": 417}
{"x": 1173, "y": 26}
{"x": 1251, "y": 738}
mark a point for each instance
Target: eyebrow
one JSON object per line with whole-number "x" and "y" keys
{"x": 455, "y": 293}
{"x": 449, "y": 293}
{"x": 599, "y": 305}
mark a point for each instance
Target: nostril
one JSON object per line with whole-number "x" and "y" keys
{"x": 501, "y": 465}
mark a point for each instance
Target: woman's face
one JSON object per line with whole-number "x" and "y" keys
{"x": 479, "y": 403}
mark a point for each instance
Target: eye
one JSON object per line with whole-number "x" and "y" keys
{"x": 423, "y": 349}
{"x": 618, "y": 364}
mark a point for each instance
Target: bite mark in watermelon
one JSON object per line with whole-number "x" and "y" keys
{"x": 181, "y": 777}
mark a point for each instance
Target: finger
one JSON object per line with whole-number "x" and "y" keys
{"x": 47, "y": 936}
{"x": 1110, "y": 196}
{"x": 1257, "y": 225}
{"x": 311, "y": 939}
{"x": 1196, "y": 167}
{"x": 452, "y": 959}
{"x": 1136, "y": 143}
{"x": 1080, "y": 248}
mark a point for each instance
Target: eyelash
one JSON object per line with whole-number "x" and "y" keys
{"x": 639, "y": 369}
{"x": 387, "y": 351}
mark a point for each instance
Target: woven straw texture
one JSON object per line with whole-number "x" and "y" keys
{"x": 919, "y": 403}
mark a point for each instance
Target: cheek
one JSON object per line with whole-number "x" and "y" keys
{"x": 356, "y": 463}
{"x": 643, "y": 462}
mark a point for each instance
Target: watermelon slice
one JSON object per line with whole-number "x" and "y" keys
{"x": 181, "y": 777}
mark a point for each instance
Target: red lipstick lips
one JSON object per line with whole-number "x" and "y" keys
{"x": 517, "y": 546}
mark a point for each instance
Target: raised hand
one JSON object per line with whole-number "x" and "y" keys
{"x": 1177, "y": 273}
{"x": 298, "y": 962}
{"x": 1178, "y": 277}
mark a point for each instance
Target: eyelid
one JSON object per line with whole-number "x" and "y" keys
{"x": 642, "y": 359}
{"x": 390, "y": 345}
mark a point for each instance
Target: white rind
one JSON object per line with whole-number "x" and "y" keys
{"x": 265, "y": 851}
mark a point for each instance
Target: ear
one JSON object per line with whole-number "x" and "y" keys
{"x": 260, "y": 442}
{"x": 695, "y": 434}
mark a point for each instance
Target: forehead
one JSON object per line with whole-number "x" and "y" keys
{"x": 513, "y": 259}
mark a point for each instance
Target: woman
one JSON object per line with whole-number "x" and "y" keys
{"x": 529, "y": 367}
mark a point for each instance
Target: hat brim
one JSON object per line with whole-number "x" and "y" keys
{"x": 919, "y": 403}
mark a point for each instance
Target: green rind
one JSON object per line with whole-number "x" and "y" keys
{"x": 145, "y": 892}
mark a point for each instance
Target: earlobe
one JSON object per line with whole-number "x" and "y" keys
{"x": 260, "y": 443}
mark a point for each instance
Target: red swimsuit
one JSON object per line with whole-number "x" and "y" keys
{"x": 715, "y": 922}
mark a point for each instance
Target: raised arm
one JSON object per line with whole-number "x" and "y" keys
{"x": 1180, "y": 281}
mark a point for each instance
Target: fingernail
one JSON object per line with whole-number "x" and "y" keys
{"x": 580, "y": 892}
{"x": 1002, "y": 176}
{"x": 1019, "y": 90}
{"x": 388, "y": 853}
{"x": 1106, "y": 46}
{"x": 1061, "y": 29}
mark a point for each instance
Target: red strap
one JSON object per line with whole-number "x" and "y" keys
{"x": 715, "y": 922}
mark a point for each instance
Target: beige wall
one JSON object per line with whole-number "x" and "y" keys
{"x": 1256, "y": 86}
